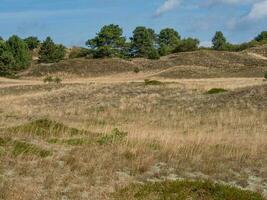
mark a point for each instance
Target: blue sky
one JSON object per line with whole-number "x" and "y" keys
{"x": 72, "y": 22}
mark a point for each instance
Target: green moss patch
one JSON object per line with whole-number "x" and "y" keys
{"x": 184, "y": 190}
{"x": 216, "y": 91}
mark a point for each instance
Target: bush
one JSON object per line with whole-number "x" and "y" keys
{"x": 50, "y": 79}
{"x": 136, "y": 70}
{"x": 189, "y": 44}
{"x": 79, "y": 53}
{"x": 216, "y": 91}
{"x": 152, "y": 82}
{"x": 265, "y": 75}
{"x": 153, "y": 54}
{"x": 51, "y": 52}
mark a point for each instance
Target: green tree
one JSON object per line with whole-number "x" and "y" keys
{"x": 168, "y": 41}
{"x": 20, "y": 52}
{"x": 51, "y": 52}
{"x": 143, "y": 42}
{"x": 1, "y": 39}
{"x": 32, "y": 42}
{"x": 188, "y": 44}
{"x": 262, "y": 37}
{"x": 109, "y": 42}
{"x": 219, "y": 41}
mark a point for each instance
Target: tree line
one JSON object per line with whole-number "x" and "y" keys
{"x": 16, "y": 53}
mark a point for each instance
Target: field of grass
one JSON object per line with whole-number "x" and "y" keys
{"x": 101, "y": 138}
{"x": 109, "y": 131}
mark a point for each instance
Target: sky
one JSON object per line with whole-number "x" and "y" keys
{"x": 72, "y": 22}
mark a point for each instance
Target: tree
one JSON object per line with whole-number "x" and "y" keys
{"x": 51, "y": 52}
{"x": 1, "y": 39}
{"x": 189, "y": 44}
{"x": 143, "y": 42}
{"x": 20, "y": 52}
{"x": 219, "y": 41}
{"x": 168, "y": 41}
{"x": 32, "y": 42}
{"x": 109, "y": 42}
{"x": 262, "y": 36}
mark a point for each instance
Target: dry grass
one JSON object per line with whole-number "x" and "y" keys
{"x": 174, "y": 130}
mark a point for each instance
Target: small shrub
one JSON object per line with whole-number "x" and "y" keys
{"x": 115, "y": 136}
{"x": 136, "y": 70}
{"x": 265, "y": 75}
{"x": 216, "y": 91}
{"x": 152, "y": 82}
{"x": 50, "y": 79}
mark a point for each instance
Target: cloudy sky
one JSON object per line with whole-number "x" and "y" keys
{"x": 72, "y": 22}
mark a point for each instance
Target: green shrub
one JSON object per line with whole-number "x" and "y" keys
{"x": 152, "y": 82}
{"x": 50, "y": 79}
{"x": 51, "y": 52}
{"x": 79, "y": 53}
{"x": 216, "y": 91}
{"x": 265, "y": 75}
{"x": 153, "y": 54}
{"x": 184, "y": 190}
{"x": 115, "y": 136}
{"x": 136, "y": 70}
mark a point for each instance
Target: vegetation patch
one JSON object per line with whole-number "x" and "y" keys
{"x": 184, "y": 190}
{"x": 115, "y": 137}
{"x": 23, "y": 148}
{"x": 44, "y": 127}
{"x": 72, "y": 142}
{"x": 152, "y": 82}
{"x": 216, "y": 91}
{"x": 50, "y": 79}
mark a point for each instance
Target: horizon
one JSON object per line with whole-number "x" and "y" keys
{"x": 73, "y": 23}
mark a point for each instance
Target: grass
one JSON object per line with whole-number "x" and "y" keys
{"x": 43, "y": 127}
{"x": 216, "y": 91}
{"x": 115, "y": 136}
{"x": 23, "y": 148}
{"x": 72, "y": 142}
{"x": 163, "y": 132}
{"x": 184, "y": 190}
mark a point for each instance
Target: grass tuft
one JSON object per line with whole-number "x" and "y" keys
{"x": 216, "y": 91}
{"x": 115, "y": 136}
{"x": 184, "y": 190}
{"x": 23, "y": 148}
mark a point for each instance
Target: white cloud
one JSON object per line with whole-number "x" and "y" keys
{"x": 258, "y": 11}
{"x": 167, "y": 6}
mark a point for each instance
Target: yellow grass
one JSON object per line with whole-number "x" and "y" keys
{"x": 174, "y": 130}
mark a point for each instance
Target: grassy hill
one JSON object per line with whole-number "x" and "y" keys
{"x": 197, "y": 64}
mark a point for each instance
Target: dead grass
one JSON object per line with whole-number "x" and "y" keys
{"x": 173, "y": 131}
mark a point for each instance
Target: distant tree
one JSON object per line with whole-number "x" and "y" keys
{"x": 219, "y": 41}
{"x": 51, "y": 52}
{"x": 188, "y": 44}
{"x": 143, "y": 42}
{"x": 168, "y": 41}
{"x": 20, "y": 52}
{"x": 109, "y": 42}
{"x": 1, "y": 39}
{"x": 262, "y": 37}
{"x": 32, "y": 42}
